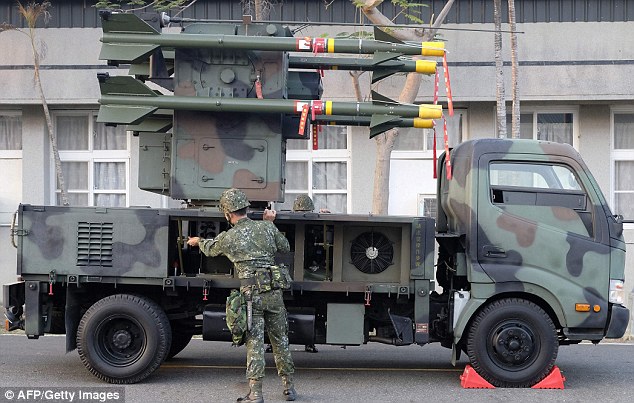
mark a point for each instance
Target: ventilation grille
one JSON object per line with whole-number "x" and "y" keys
{"x": 371, "y": 252}
{"x": 94, "y": 244}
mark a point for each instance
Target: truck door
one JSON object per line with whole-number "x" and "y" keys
{"x": 540, "y": 231}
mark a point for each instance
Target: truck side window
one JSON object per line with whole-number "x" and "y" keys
{"x": 544, "y": 192}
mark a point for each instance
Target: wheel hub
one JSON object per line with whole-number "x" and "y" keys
{"x": 513, "y": 344}
{"x": 121, "y": 339}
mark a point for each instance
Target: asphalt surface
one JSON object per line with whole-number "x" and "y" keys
{"x": 214, "y": 372}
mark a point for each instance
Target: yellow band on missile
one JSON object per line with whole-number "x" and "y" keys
{"x": 430, "y": 111}
{"x": 426, "y": 66}
{"x": 328, "y": 107}
{"x": 330, "y": 45}
{"x": 433, "y": 49}
{"x": 423, "y": 123}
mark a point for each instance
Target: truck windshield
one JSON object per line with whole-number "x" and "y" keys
{"x": 542, "y": 176}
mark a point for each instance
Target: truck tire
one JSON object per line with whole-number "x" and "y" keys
{"x": 123, "y": 338}
{"x": 180, "y": 340}
{"x": 512, "y": 343}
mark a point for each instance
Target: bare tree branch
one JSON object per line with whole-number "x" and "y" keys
{"x": 385, "y": 141}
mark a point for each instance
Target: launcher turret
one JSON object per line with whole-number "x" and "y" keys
{"x": 233, "y": 93}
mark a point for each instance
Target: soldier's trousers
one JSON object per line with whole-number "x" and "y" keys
{"x": 268, "y": 311}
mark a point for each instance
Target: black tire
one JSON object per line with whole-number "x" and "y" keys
{"x": 123, "y": 338}
{"x": 180, "y": 340}
{"x": 512, "y": 343}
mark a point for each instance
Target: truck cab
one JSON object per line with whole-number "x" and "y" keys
{"x": 523, "y": 226}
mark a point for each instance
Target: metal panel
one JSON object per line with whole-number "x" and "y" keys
{"x": 345, "y": 324}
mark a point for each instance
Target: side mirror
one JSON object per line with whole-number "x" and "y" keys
{"x": 616, "y": 225}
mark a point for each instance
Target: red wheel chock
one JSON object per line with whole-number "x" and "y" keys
{"x": 470, "y": 379}
{"x": 554, "y": 380}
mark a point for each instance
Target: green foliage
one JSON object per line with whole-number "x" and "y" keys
{"x": 409, "y": 9}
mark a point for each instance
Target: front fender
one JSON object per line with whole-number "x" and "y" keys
{"x": 483, "y": 293}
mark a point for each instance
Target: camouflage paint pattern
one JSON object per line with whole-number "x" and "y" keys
{"x": 93, "y": 241}
{"x": 215, "y": 151}
{"x": 544, "y": 250}
{"x": 213, "y": 154}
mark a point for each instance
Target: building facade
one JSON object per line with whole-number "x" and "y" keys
{"x": 576, "y": 84}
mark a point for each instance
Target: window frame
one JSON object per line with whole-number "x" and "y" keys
{"x": 535, "y": 110}
{"x": 420, "y": 204}
{"x": 310, "y": 156}
{"x": 618, "y": 155}
{"x": 92, "y": 157}
{"x": 13, "y": 154}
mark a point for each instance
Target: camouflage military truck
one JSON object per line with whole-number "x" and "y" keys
{"x": 523, "y": 256}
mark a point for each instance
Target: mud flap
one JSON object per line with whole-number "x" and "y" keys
{"x": 403, "y": 328}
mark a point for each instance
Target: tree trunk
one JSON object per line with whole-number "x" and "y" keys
{"x": 499, "y": 73}
{"x": 385, "y": 141}
{"x": 31, "y": 16}
{"x": 514, "y": 73}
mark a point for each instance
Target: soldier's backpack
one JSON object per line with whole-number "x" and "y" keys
{"x": 236, "y": 312}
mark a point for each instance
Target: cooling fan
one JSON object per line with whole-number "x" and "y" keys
{"x": 371, "y": 252}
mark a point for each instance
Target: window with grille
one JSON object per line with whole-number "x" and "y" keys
{"x": 323, "y": 174}
{"x": 94, "y": 160}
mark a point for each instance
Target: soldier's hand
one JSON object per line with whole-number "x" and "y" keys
{"x": 269, "y": 215}
{"x": 193, "y": 240}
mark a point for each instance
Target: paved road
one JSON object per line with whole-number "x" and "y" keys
{"x": 214, "y": 372}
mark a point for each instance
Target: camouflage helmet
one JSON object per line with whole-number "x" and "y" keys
{"x": 233, "y": 200}
{"x": 303, "y": 202}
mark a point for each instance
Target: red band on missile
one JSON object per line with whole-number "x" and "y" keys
{"x": 317, "y": 108}
{"x": 319, "y": 45}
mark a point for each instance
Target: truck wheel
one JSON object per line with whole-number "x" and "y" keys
{"x": 180, "y": 340}
{"x": 123, "y": 338}
{"x": 512, "y": 343}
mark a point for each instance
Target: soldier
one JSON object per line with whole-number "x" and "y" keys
{"x": 251, "y": 246}
{"x": 303, "y": 202}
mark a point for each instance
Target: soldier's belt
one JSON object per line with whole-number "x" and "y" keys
{"x": 271, "y": 278}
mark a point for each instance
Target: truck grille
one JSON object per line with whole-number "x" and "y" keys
{"x": 94, "y": 244}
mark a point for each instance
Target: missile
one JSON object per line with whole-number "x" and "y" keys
{"x": 377, "y": 123}
{"x": 125, "y": 100}
{"x": 382, "y": 64}
{"x": 129, "y": 39}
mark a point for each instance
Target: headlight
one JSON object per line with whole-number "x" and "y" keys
{"x": 617, "y": 293}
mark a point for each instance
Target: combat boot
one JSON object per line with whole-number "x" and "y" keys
{"x": 255, "y": 392}
{"x": 289, "y": 388}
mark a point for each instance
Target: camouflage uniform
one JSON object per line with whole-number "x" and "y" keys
{"x": 251, "y": 245}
